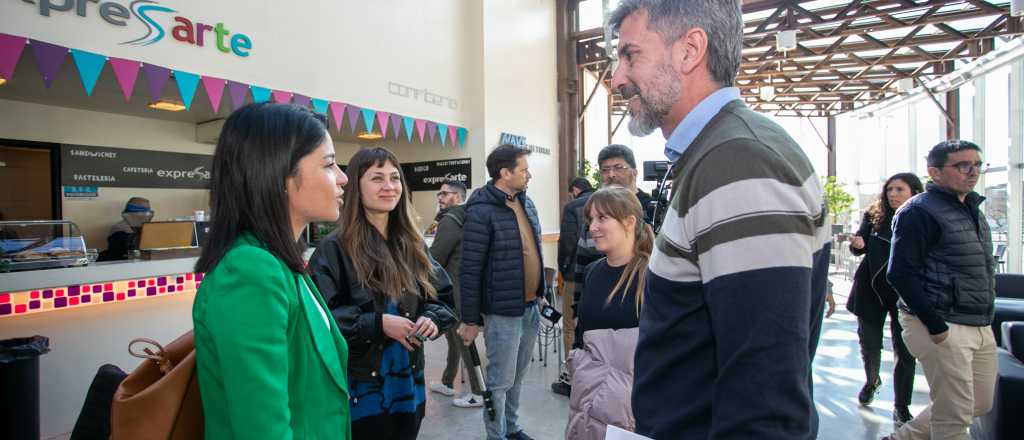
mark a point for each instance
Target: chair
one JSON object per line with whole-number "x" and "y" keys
{"x": 550, "y": 333}
{"x": 1009, "y": 303}
{"x": 1004, "y": 420}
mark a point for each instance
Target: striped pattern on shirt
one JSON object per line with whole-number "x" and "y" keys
{"x": 735, "y": 290}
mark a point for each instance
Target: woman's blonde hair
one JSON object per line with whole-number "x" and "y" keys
{"x": 620, "y": 204}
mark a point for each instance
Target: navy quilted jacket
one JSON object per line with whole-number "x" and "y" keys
{"x": 491, "y": 276}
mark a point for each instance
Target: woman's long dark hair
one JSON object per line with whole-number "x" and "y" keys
{"x": 880, "y": 212}
{"x": 258, "y": 150}
{"x": 389, "y": 265}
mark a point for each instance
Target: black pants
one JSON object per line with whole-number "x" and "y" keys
{"x": 870, "y": 332}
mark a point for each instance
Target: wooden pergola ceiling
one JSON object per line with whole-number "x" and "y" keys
{"x": 848, "y": 53}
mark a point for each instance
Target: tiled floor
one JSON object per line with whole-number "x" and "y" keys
{"x": 838, "y": 376}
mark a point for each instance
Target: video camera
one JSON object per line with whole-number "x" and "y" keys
{"x": 657, "y": 171}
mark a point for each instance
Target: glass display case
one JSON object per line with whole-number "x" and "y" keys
{"x": 41, "y": 244}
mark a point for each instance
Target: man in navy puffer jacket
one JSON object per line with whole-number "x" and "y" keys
{"x": 501, "y": 282}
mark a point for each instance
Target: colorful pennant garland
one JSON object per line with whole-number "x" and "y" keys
{"x": 187, "y": 84}
{"x": 156, "y": 77}
{"x": 214, "y": 90}
{"x": 50, "y": 57}
{"x": 239, "y": 92}
{"x": 10, "y": 53}
{"x": 90, "y": 65}
{"x": 126, "y": 72}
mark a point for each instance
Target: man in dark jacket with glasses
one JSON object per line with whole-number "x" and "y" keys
{"x": 942, "y": 266}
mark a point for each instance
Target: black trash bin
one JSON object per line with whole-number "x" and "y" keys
{"x": 19, "y": 378}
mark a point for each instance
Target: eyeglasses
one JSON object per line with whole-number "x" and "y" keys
{"x": 968, "y": 168}
{"x": 445, "y": 193}
{"x": 618, "y": 169}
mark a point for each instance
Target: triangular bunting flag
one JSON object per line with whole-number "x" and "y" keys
{"x": 126, "y": 72}
{"x": 462, "y": 136}
{"x": 320, "y": 105}
{"x": 260, "y": 94}
{"x": 396, "y": 125}
{"x": 49, "y": 57}
{"x": 338, "y": 111}
{"x": 282, "y": 97}
{"x": 300, "y": 100}
{"x": 10, "y": 52}
{"x": 452, "y": 135}
{"x": 442, "y": 130}
{"x": 408, "y": 122}
{"x": 431, "y": 130}
{"x": 156, "y": 76}
{"x": 89, "y": 65}
{"x": 421, "y": 128}
{"x": 368, "y": 117}
{"x": 187, "y": 85}
{"x": 214, "y": 90}
{"x": 382, "y": 120}
{"x": 238, "y": 92}
{"x": 353, "y": 117}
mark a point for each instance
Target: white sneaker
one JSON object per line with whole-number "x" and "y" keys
{"x": 469, "y": 401}
{"x": 441, "y": 388}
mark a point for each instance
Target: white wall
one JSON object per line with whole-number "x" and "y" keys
{"x": 520, "y": 91}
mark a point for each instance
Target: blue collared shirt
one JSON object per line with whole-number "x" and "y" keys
{"x": 694, "y": 122}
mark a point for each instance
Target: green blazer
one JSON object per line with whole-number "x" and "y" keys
{"x": 269, "y": 366}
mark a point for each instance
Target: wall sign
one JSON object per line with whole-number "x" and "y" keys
{"x": 520, "y": 141}
{"x": 81, "y": 192}
{"x": 429, "y": 176}
{"x": 118, "y": 167}
{"x": 148, "y": 20}
{"x": 418, "y": 94}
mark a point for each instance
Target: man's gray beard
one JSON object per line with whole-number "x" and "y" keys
{"x": 663, "y": 94}
{"x": 645, "y": 121}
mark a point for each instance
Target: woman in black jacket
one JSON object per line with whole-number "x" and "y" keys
{"x": 382, "y": 286}
{"x": 872, "y": 298}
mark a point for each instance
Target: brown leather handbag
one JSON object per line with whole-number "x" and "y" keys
{"x": 160, "y": 399}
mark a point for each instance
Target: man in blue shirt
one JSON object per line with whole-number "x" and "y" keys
{"x": 736, "y": 282}
{"x": 941, "y": 264}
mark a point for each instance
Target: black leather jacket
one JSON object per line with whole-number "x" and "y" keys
{"x": 359, "y": 309}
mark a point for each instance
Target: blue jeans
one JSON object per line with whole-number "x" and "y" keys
{"x": 510, "y": 341}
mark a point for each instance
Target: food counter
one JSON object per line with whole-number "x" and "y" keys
{"x": 46, "y": 290}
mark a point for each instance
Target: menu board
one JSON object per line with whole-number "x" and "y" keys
{"x": 82, "y": 165}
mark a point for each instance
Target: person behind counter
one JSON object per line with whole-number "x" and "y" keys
{"x": 124, "y": 236}
{"x": 272, "y": 363}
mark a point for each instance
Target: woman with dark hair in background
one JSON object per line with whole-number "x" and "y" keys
{"x": 271, "y": 362}
{"x": 382, "y": 288}
{"x": 872, "y": 298}
{"x": 601, "y": 362}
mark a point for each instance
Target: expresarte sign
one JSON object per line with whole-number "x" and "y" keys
{"x": 150, "y": 22}
{"x": 83, "y": 165}
{"x": 429, "y": 176}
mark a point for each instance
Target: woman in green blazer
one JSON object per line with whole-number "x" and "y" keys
{"x": 271, "y": 361}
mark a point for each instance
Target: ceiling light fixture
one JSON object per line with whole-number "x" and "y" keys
{"x": 369, "y": 135}
{"x": 166, "y": 105}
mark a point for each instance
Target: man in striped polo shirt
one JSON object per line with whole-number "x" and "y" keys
{"x": 736, "y": 284}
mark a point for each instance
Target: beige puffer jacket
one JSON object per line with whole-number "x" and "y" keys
{"x": 602, "y": 383}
